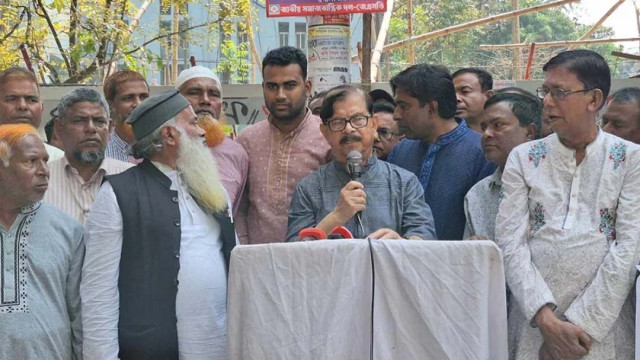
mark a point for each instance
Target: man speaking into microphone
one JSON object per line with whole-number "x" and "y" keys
{"x": 371, "y": 198}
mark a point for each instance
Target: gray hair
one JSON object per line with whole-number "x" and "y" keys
{"x": 152, "y": 143}
{"x": 80, "y": 95}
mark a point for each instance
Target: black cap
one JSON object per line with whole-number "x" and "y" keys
{"x": 155, "y": 111}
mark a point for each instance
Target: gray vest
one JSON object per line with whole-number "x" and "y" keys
{"x": 149, "y": 263}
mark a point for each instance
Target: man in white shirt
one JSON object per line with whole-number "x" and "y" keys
{"x": 202, "y": 88}
{"x": 568, "y": 223}
{"x": 41, "y": 257}
{"x": 20, "y": 102}
{"x": 83, "y": 126}
{"x": 159, "y": 237}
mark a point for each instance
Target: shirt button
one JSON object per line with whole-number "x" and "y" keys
{"x": 175, "y": 199}
{"x": 177, "y": 254}
{"x": 176, "y": 222}
{"x": 573, "y": 196}
{"x": 176, "y": 282}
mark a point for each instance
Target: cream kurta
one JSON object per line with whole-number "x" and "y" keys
{"x": 570, "y": 238}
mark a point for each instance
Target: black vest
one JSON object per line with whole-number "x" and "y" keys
{"x": 149, "y": 263}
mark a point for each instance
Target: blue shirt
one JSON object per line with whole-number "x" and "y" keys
{"x": 446, "y": 170}
{"x": 117, "y": 148}
{"x": 395, "y": 200}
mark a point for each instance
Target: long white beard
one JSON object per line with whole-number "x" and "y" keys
{"x": 199, "y": 170}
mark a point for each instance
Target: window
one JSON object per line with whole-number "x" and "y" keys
{"x": 283, "y": 33}
{"x": 243, "y": 39}
{"x": 301, "y": 36}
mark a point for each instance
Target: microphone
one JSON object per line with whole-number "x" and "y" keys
{"x": 354, "y": 164}
{"x": 340, "y": 232}
{"x": 309, "y": 234}
{"x": 354, "y": 167}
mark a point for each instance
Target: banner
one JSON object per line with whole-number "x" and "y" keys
{"x": 279, "y": 8}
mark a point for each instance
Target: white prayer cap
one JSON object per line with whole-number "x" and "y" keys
{"x": 196, "y": 72}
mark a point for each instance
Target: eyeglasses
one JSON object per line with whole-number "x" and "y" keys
{"x": 557, "y": 93}
{"x": 386, "y": 134}
{"x": 356, "y": 121}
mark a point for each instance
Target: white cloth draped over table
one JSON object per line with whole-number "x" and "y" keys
{"x": 312, "y": 300}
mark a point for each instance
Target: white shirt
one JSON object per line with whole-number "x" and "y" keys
{"x": 202, "y": 289}
{"x": 570, "y": 236}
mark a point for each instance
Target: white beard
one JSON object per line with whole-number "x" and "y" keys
{"x": 199, "y": 170}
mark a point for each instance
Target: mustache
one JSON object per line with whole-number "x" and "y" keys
{"x": 350, "y": 137}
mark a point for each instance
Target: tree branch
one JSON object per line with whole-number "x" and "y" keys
{"x": 45, "y": 15}
{"x": 169, "y": 34}
{"x": 51, "y": 68}
{"x": 15, "y": 27}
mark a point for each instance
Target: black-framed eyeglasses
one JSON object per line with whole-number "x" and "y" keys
{"x": 356, "y": 121}
{"x": 387, "y": 134}
{"x": 557, "y": 93}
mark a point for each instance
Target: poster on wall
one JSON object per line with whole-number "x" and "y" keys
{"x": 279, "y": 8}
{"x": 328, "y": 54}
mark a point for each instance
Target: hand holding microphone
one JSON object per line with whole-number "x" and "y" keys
{"x": 352, "y": 200}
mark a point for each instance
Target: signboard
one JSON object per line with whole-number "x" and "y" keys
{"x": 276, "y": 8}
{"x": 329, "y": 52}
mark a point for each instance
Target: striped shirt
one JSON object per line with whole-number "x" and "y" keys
{"x": 70, "y": 193}
{"x": 118, "y": 149}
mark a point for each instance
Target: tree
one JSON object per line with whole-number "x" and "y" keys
{"x": 76, "y": 41}
{"x": 460, "y": 49}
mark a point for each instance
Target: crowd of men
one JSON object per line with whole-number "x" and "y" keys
{"x": 118, "y": 243}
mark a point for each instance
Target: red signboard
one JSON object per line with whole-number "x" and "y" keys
{"x": 277, "y": 8}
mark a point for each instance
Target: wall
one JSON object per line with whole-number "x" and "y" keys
{"x": 244, "y": 104}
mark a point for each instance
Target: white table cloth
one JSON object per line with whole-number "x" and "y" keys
{"x": 312, "y": 300}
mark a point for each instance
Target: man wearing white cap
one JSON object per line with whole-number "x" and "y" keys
{"x": 203, "y": 90}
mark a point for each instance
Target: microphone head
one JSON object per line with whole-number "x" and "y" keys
{"x": 354, "y": 163}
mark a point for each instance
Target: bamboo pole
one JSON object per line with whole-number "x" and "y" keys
{"x": 175, "y": 39}
{"x": 411, "y": 46}
{"x": 602, "y": 20}
{"x": 555, "y": 43}
{"x": 382, "y": 37}
{"x": 255, "y": 55}
{"x": 475, "y": 23}
{"x": 516, "y": 39}
{"x": 366, "y": 52}
{"x": 637, "y": 8}
{"x": 625, "y": 55}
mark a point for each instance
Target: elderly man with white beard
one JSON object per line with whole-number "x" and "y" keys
{"x": 202, "y": 88}
{"x": 159, "y": 238}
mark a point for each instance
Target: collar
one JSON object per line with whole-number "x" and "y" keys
{"x": 151, "y": 168}
{"x": 301, "y": 126}
{"x": 68, "y": 168}
{"x": 455, "y": 134}
{"x": 569, "y": 154}
{"x": 496, "y": 179}
{"x": 340, "y": 169}
{"x": 30, "y": 208}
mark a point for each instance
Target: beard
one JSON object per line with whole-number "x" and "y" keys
{"x": 89, "y": 157}
{"x": 289, "y": 115}
{"x": 214, "y": 132}
{"x": 200, "y": 171}
{"x": 127, "y": 130}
